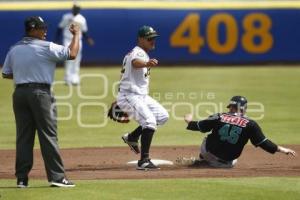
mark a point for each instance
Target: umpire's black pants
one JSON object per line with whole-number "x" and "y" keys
{"x": 34, "y": 109}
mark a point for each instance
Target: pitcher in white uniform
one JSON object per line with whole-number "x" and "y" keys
{"x": 72, "y": 67}
{"x": 133, "y": 96}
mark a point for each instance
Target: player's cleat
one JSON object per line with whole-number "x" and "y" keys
{"x": 62, "y": 183}
{"x": 185, "y": 161}
{"x": 191, "y": 162}
{"x": 146, "y": 164}
{"x": 134, "y": 146}
{"x": 22, "y": 182}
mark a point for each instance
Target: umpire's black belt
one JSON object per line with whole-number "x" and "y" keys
{"x": 34, "y": 85}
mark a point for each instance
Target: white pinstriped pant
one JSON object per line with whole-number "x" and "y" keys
{"x": 143, "y": 109}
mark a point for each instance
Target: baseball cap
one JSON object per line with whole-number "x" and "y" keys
{"x": 76, "y": 9}
{"x": 34, "y": 22}
{"x": 147, "y": 32}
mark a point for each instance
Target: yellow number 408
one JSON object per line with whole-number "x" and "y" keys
{"x": 252, "y": 31}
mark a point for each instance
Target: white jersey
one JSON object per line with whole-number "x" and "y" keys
{"x": 66, "y": 21}
{"x": 135, "y": 80}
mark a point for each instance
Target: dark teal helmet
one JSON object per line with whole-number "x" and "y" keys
{"x": 147, "y": 32}
{"x": 238, "y": 102}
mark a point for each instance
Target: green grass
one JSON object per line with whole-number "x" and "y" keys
{"x": 170, "y": 189}
{"x": 277, "y": 88}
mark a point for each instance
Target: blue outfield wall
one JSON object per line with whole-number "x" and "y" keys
{"x": 186, "y": 36}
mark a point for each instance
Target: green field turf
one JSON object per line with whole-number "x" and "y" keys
{"x": 169, "y": 189}
{"x": 276, "y": 88}
{"x": 180, "y": 89}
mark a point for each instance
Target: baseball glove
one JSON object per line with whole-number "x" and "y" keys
{"x": 115, "y": 113}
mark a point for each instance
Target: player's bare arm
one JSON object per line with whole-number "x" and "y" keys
{"x": 137, "y": 63}
{"x": 286, "y": 151}
{"x": 89, "y": 40}
{"x": 188, "y": 118}
{"x": 74, "y": 46}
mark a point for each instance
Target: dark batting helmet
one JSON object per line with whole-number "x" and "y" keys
{"x": 238, "y": 102}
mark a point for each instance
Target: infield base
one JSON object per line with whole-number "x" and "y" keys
{"x": 157, "y": 162}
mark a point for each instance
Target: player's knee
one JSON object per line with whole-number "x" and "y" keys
{"x": 150, "y": 126}
{"x": 150, "y": 123}
{"x": 163, "y": 118}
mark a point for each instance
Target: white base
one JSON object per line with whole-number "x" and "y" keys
{"x": 155, "y": 162}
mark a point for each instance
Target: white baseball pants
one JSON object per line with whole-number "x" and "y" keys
{"x": 143, "y": 109}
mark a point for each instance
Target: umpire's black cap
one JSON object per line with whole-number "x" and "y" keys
{"x": 238, "y": 101}
{"x": 34, "y": 22}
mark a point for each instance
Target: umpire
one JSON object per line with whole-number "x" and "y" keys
{"x": 31, "y": 63}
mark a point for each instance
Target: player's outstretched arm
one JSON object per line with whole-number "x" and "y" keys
{"x": 203, "y": 126}
{"x": 192, "y": 125}
{"x": 89, "y": 39}
{"x": 286, "y": 151}
{"x": 137, "y": 63}
{"x": 271, "y": 147}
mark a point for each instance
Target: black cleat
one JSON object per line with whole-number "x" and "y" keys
{"x": 134, "y": 146}
{"x": 62, "y": 183}
{"x": 22, "y": 182}
{"x": 146, "y": 164}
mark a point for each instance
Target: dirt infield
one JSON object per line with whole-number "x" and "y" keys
{"x": 110, "y": 163}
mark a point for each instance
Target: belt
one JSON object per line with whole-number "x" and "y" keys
{"x": 34, "y": 85}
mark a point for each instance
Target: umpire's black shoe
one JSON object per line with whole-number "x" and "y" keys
{"x": 22, "y": 182}
{"x": 134, "y": 145}
{"x": 62, "y": 183}
{"x": 146, "y": 164}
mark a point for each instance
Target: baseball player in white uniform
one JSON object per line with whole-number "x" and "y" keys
{"x": 133, "y": 96}
{"x": 72, "y": 67}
